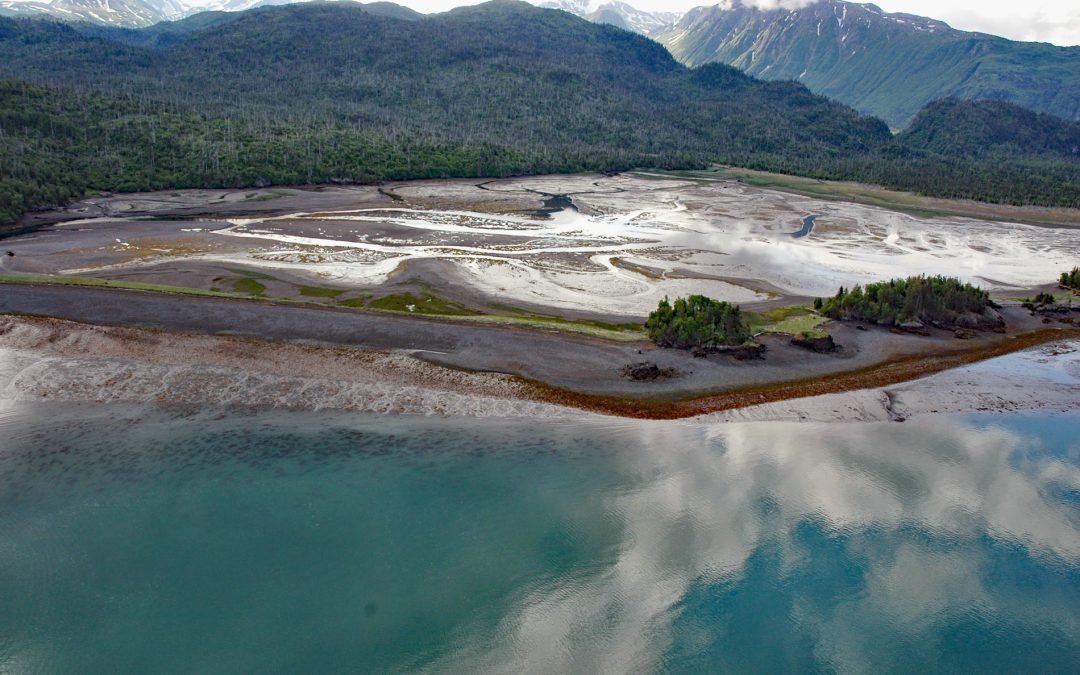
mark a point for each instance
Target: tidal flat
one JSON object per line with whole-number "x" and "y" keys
{"x": 604, "y": 246}
{"x": 543, "y": 279}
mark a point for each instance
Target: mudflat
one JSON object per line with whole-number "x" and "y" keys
{"x": 565, "y": 369}
{"x": 544, "y": 279}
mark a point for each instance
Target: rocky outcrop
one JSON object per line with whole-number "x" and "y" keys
{"x": 646, "y": 371}
{"x": 821, "y": 344}
{"x": 745, "y": 352}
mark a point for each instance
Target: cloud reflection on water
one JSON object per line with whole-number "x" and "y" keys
{"x": 914, "y": 506}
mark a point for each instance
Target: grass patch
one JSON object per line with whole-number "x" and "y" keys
{"x": 791, "y": 320}
{"x": 621, "y": 332}
{"x": 432, "y": 305}
{"x": 422, "y": 304}
{"x": 509, "y": 309}
{"x": 108, "y": 283}
{"x": 799, "y": 324}
{"x": 249, "y": 286}
{"x": 591, "y": 323}
{"x": 320, "y": 292}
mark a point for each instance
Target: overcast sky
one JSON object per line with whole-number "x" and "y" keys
{"x": 1056, "y": 21}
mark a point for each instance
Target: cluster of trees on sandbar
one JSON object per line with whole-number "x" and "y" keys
{"x": 697, "y": 321}
{"x": 1071, "y": 279}
{"x": 921, "y": 298}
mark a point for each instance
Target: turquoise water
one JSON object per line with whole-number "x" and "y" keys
{"x": 141, "y": 540}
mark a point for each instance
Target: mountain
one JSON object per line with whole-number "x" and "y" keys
{"x": 132, "y": 13}
{"x": 125, "y": 13}
{"x": 468, "y": 73}
{"x": 888, "y": 65}
{"x": 148, "y": 13}
{"x": 502, "y": 88}
{"x": 960, "y": 128}
{"x": 617, "y": 14}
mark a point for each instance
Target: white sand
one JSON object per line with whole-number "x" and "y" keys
{"x": 689, "y": 233}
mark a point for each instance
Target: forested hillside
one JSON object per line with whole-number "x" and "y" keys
{"x": 889, "y": 65}
{"x": 992, "y": 129}
{"x": 339, "y": 92}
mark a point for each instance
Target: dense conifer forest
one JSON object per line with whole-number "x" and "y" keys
{"x": 697, "y": 321}
{"x": 925, "y": 299}
{"x": 339, "y": 92}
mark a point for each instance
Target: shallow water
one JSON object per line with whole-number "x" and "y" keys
{"x": 136, "y": 539}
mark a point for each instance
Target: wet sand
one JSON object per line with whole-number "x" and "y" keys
{"x": 607, "y": 249}
{"x": 1046, "y": 377}
{"x": 615, "y": 247}
{"x": 53, "y": 360}
{"x": 529, "y": 366}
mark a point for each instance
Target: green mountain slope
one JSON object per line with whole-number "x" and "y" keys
{"x": 540, "y": 81}
{"x": 319, "y": 93}
{"x": 960, "y": 128}
{"x": 889, "y": 65}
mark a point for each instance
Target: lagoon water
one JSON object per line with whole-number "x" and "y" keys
{"x": 136, "y": 539}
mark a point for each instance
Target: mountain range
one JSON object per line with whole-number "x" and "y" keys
{"x": 618, "y": 14}
{"x": 342, "y": 92}
{"x": 889, "y": 65}
{"x": 126, "y": 13}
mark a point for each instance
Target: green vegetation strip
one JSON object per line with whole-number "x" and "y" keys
{"x": 109, "y": 283}
{"x": 423, "y": 304}
{"x": 598, "y": 329}
{"x": 249, "y": 287}
{"x": 791, "y": 320}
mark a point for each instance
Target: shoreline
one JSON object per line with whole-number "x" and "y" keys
{"x": 588, "y": 367}
{"x": 453, "y": 297}
{"x": 875, "y": 377}
{"x": 75, "y": 360}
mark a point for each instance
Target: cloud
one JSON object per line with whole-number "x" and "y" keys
{"x": 695, "y": 516}
{"x": 1053, "y": 21}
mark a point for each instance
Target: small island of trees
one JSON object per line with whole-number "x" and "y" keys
{"x": 1071, "y": 279}
{"x": 697, "y": 322}
{"x": 937, "y": 300}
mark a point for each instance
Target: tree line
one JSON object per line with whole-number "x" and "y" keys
{"x": 319, "y": 93}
